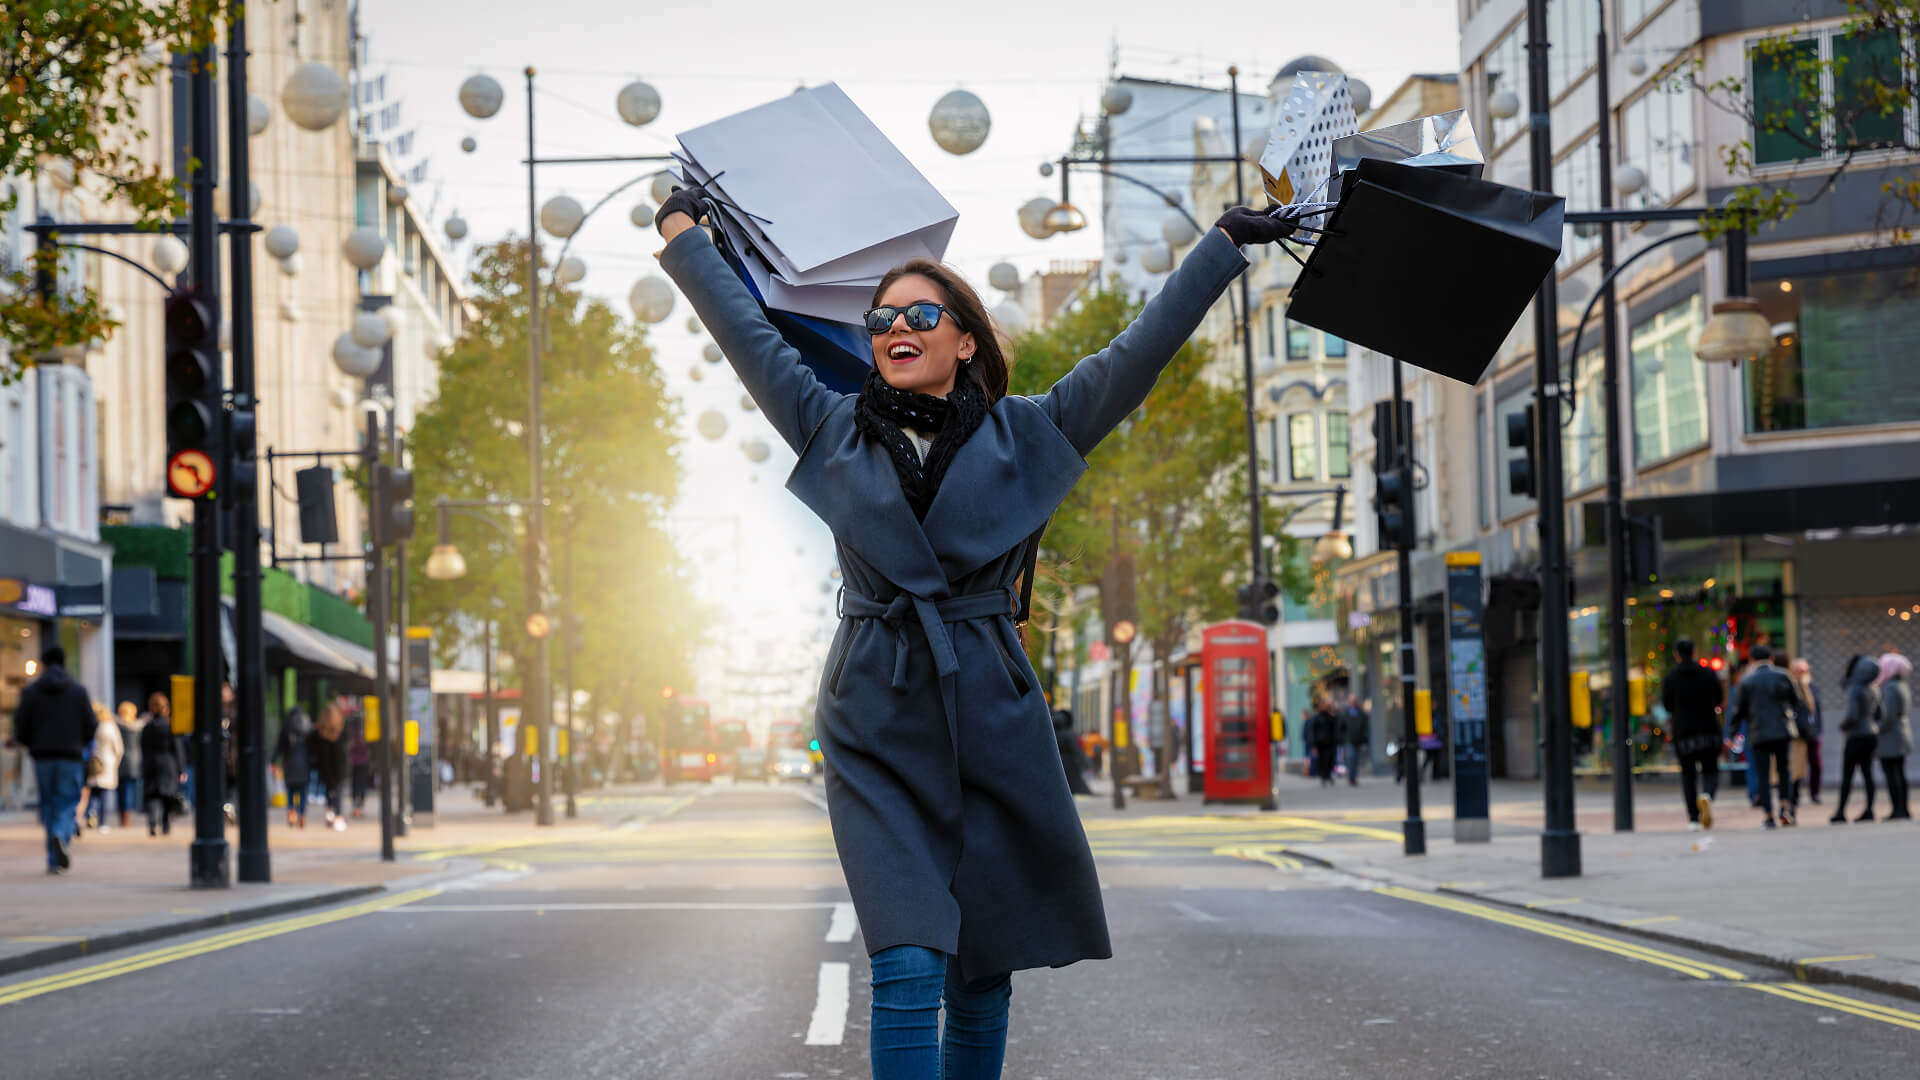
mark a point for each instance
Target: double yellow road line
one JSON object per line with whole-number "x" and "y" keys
{"x": 1685, "y": 965}
{"x": 67, "y": 980}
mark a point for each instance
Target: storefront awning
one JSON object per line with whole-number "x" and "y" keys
{"x": 317, "y": 647}
{"x": 1776, "y": 510}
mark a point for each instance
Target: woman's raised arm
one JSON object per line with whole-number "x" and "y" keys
{"x": 1092, "y": 399}
{"x": 786, "y": 390}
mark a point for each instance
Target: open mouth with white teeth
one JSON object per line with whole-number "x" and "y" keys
{"x": 903, "y": 351}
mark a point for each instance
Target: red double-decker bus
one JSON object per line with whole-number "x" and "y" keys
{"x": 688, "y": 747}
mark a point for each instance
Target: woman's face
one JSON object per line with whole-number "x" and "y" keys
{"x": 921, "y": 361}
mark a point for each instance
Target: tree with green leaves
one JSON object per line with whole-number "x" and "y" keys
{"x": 611, "y": 470}
{"x": 1167, "y": 489}
{"x": 1830, "y": 105}
{"x": 72, "y": 80}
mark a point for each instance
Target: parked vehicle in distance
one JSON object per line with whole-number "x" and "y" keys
{"x": 750, "y": 763}
{"x": 792, "y": 763}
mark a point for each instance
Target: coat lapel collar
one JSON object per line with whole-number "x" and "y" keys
{"x": 1002, "y": 486}
{"x": 851, "y": 484}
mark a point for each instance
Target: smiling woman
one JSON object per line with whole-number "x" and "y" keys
{"x": 951, "y": 813}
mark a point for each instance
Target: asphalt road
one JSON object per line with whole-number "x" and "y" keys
{"x": 709, "y": 936}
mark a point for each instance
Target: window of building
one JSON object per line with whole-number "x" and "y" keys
{"x": 1577, "y": 176}
{"x": 1842, "y": 352}
{"x": 1815, "y": 97}
{"x": 1669, "y": 389}
{"x": 1583, "y": 444}
{"x": 1505, "y": 68}
{"x": 1269, "y": 445}
{"x": 1571, "y": 31}
{"x": 1337, "y": 465}
{"x": 1303, "y": 444}
{"x": 1334, "y": 346}
{"x": 1507, "y": 503}
{"x": 1635, "y": 12}
{"x": 1299, "y": 342}
{"x": 1656, "y": 133}
{"x": 1272, "y": 349}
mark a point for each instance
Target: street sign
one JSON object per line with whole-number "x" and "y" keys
{"x": 190, "y": 474}
{"x": 1467, "y": 682}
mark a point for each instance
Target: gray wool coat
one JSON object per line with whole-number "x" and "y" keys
{"x": 950, "y": 810}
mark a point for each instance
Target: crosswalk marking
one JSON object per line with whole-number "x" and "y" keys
{"x": 843, "y": 925}
{"x": 829, "y": 1024}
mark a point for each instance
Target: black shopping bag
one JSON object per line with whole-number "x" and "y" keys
{"x": 1428, "y": 267}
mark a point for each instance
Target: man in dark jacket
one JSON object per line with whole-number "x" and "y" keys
{"x": 55, "y": 722}
{"x": 1692, "y": 696}
{"x": 1765, "y": 702}
{"x": 1353, "y": 732}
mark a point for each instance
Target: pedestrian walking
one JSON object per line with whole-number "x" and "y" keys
{"x": 1860, "y": 727}
{"x": 1896, "y": 730}
{"x": 1813, "y": 727}
{"x": 290, "y": 757}
{"x": 55, "y": 723}
{"x": 1763, "y": 706}
{"x": 1796, "y": 737}
{"x": 103, "y": 770}
{"x": 1692, "y": 696}
{"x": 163, "y": 768}
{"x": 1355, "y": 734}
{"x": 360, "y": 763}
{"x": 956, "y": 832}
{"x": 1323, "y": 735}
{"x": 1738, "y": 740}
{"x": 327, "y": 757}
{"x": 128, "y": 719}
{"x": 1071, "y": 757}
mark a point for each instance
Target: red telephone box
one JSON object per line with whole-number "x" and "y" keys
{"x": 1238, "y": 703}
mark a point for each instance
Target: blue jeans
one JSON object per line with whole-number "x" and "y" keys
{"x": 130, "y": 799}
{"x": 60, "y": 783}
{"x": 908, "y": 983}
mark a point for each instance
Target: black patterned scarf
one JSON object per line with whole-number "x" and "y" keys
{"x": 883, "y": 410}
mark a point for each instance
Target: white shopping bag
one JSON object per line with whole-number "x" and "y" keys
{"x": 835, "y": 201}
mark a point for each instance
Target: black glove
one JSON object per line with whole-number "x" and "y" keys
{"x": 1244, "y": 226}
{"x": 691, "y": 201}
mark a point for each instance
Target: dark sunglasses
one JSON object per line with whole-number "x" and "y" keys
{"x": 924, "y": 315}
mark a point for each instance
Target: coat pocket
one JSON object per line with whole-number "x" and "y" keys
{"x": 840, "y": 661}
{"x": 1020, "y": 684}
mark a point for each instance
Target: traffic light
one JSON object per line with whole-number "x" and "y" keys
{"x": 392, "y": 505}
{"x": 1393, "y": 508}
{"x": 1522, "y": 477}
{"x": 318, "y": 524}
{"x": 1393, "y": 476}
{"x": 1259, "y": 602}
{"x": 193, "y": 396}
{"x": 243, "y": 482}
{"x": 1643, "y": 549}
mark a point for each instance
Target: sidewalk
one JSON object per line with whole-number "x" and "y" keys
{"x": 1825, "y": 903}
{"x": 126, "y": 887}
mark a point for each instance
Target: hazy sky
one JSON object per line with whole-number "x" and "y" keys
{"x": 1038, "y": 64}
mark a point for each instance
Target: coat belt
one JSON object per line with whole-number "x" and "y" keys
{"x": 933, "y": 616}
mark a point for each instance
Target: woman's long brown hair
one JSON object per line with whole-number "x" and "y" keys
{"x": 988, "y": 366}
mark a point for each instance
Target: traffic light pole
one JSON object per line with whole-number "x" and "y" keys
{"x": 1559, "y": 841}
{"x": 241, "y": 484}
{"x": 1621, "y": 712}
{"x": 539, "y": 693}
{"x": 1413, "y": 830}
{"x": 377, "y": 614}
{"x": 402, "y": 694}
{"x": 207, "y": 860}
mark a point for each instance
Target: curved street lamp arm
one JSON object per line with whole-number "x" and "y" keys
{"x": 162, "y": 282}
{"x": 1580, "y": 329}
{"x": 1170, "y": 200}
{"x": 604, "y": 200}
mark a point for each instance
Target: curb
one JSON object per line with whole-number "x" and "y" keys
{"x": 1801, "y": 961}
{"x": 109, "y": 938}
